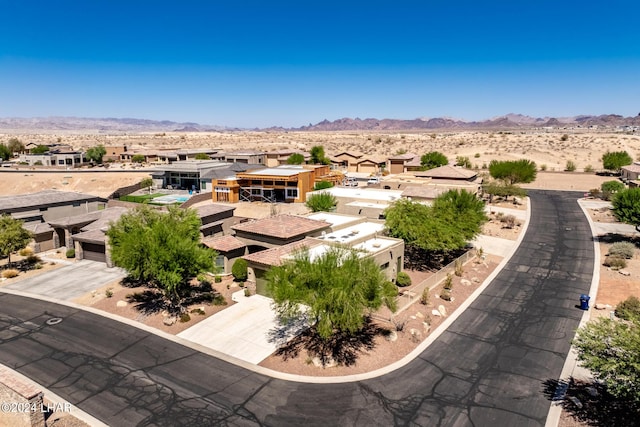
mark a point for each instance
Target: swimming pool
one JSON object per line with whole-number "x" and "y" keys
{"x": 170, "y": 199}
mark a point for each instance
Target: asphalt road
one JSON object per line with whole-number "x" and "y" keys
{"x": 488, "y": 369}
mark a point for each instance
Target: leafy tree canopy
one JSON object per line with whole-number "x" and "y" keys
{"x": 626, "y": 206}
{"x": 513, "y": 171}
{"x": 339, "y": 288}
{"x": 5, "y": 152}
{"x": 318, "y": 157}
{"x": 433, "y": 159}
{"x": 613, "y": 161}
{"x": 202, "y": 156}
{"x": 454, "y": 218}
{"x": 162, "y": 249}
{"x": 146, "y": 182}
{"x": 13, "y": 236}
{"x": 610, "y": 349}
{"x": 322, "y": 185}
{"x": 15, "y": 145}
{"x": 95, "y": 154}
{"x": 612, "y": 186}
{"x": 494, "y": 188}
{"x": 137, "y": 158}
{"x": 295, "y": 159}
{"x": 40, "y": 149}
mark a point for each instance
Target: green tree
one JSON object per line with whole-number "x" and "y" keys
{"x": 513, "y": 171}
{"x": 202, "y": 156}
{"x": 321, "y": 202}
{"x": 13, "y": 236}
{"x": 613, "y": 161}
{"x": 610, "y": 350}
{"x": 15, "y": 145}
{"x": 339, "y": 288}
{"x": 295, "y": 159}
{"x": 146, "y": 182}
{"x": 626, "y": 206}
{"x": 433, "y": 159}
{"x": 454, "y": 218}
{"x": 138, "y": 158}
{"x": 5, "y": 152}
{"x": 240, "y": 270}
{"x": 95, "y": 154}
{"x": 162, "y": 249}
{"x": 40, "y": 149}
{"x": 609, "y": 188}
{"x": 318, "y": 157}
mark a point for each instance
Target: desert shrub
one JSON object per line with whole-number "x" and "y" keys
{"x": 71, "y": 253}
{"x": 8, "y": 274}
{"x": 609, "y": 188}
{"x": 570, "y": 166}
{"x": 217, "y": 279}
{"x": 108, "y": 293}
{"x": 321, "y": 202}
{"x": 424, "y": 298}
{"x": 477, "y": 155}
{"x": 403, "y": 279}
{"x": 588, "y": 169}
{"x": 543, "y": 167}
{"x": 322, "y": 185}
{"x": 459, "y": 268}
{"x": 448, "y": 282}
{"x": 239, "y": 270}
{"x": 629, "y": 309}
{"x": 509, "y": 221}
{"x": 622, "y": 250}
{"x": 247, "y": 292}
{"x": 595, "y": 192}
{"x": 615, "y": 262}
{"x": 199, "y": 311}
{"x": 37, "y": 266}
{"x": 25, "y": 251}
{"x": 184, "y": 317}
{"x": 445, "y": 295}
{"x": 564, "y": 137}
{"x": 33, "y": 259}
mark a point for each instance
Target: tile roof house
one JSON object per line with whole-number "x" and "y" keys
{"x": 229, "y": 248}
{"x": 630, "y": 172}
{"x": 278, "y": 230}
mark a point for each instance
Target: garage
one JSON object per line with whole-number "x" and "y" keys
{"x": 94, "y": 252}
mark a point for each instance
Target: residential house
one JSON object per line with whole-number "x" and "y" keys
{"x": 397, "y": 163}
{"x": 184, "y": 174}
{"x": 631, "y": 172}
{"x": 49, "y": 204}
{"x": 280, "y": 157}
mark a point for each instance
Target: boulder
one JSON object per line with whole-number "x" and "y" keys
{"x": 436, "y": 313}
{"x": 170, "y": 320}
{"x": 475, "y": 280}
{"x": 600, "y": 306}
{"x": 624, "y": 272}
{"x": 329, "y": 363}
{"x": 419, "y": 315}
{"x": 442, "y": 310}
{"x": 121, "y": 303}
{"x": 465, "y": 282}
{"x": 392, "y": 337}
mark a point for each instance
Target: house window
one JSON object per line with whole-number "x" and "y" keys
{"x": 203, "y": 185}
{"x": 292, "y": 193}
{"x": 222, "y": 190}
{"x": 220, "y": 261}
{"x": 256, "y": 192}
{"x": 76, "y": 204}
{"x": 44, "y": 209}
{"x": 61, "y": 162}
{"x": 384, "y": 266}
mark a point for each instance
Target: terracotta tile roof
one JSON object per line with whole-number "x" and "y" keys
{"x": 282, "y": 226}
{"x": 223, "y": 243}
{"x": 415, "y": 162}
{"x": 449, "y": 171}
{"x": 91, "y": 236}
{"x": 273, "y": 256}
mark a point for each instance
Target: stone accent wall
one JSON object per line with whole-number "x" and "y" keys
{"x": 16, "y": 393}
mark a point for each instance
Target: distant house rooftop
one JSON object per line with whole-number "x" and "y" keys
{"x": 43, "y": 199}
{"x": 274, "y": 256}
{"x": 447, "y": 172}
{"x": 223, "y": 243}
{"x": 282, "y": 226}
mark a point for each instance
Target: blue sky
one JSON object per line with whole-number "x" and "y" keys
{"x": 265, "y": 63}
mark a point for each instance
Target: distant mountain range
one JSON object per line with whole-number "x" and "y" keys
{"x": 509, "y": 121}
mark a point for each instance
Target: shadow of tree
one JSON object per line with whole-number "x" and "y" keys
{"x": 154, "y": 300}
{"x": 342, "y": 347}
{"x": 590, "y": 403}
{"x": 616, "y": 237}
{"x": 421, "y": 260}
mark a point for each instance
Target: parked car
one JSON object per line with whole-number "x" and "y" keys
{"x": 350, "y": 182}
{"x": 373, "y": 180}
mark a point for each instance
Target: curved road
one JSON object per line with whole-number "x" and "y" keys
{"x": 487, "y": 369}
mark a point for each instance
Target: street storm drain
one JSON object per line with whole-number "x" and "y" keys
{"x": 54, "y": 321}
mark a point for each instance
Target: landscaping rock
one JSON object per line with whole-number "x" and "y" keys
{"x": 436, "y": 313}
{"x": 170, "y": 320}
{"x": 392, "y": 337}
{"x": 600, "y": 306}
{"x": 475, "y": 280}
{"x": 330, "y": 363}
{"x": 624, "y": 272}
{"x": 121, "y": 303}
{"x": 442, "y": 310}
{"x": 419, "y": 315}
{"x": 465, "y": 282}
{"x": 575, "y": 401}
{"x": 426, "y": 326}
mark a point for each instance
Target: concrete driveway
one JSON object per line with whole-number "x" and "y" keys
{"x": 248, "y": 330}
{"x": 71, "y": 281}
